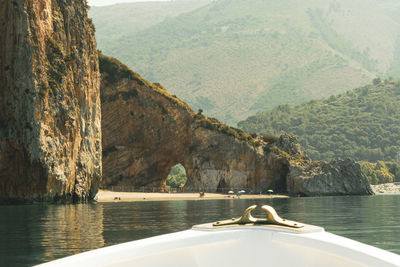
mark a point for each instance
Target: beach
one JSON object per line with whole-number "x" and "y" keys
{"x": 388, "y": 188}
{"x": 110, "y": 196}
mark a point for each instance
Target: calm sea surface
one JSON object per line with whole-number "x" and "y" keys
{"x": 32, "y": 234}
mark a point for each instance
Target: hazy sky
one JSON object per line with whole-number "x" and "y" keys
{"x": 110, "y": 2}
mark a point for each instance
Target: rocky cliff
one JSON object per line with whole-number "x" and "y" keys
{"x": 50, "y": 133}
{"x": 337, "y": 177}
{"x": 319, "y": 178}
{"x": 146, "y": 131}
{"x": 51, "y": 126}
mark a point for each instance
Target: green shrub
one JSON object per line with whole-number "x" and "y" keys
{"x": 114, "y": 71}
{"x": 377, "y": 173}
{"x": 270, "y": 138}
{"x": 376, "y": 81}
{"x": 176, "y": 177}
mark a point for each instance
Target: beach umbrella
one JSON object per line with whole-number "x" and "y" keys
{"x": 270, "y": 191}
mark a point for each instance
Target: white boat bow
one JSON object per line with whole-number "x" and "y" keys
{"x": 271, "y": 241}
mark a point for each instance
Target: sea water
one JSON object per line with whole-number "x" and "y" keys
{"x": 33, "y": 234}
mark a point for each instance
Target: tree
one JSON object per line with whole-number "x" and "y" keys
{"x": 176, "y": 177}
{"x": 376, "y": 81}
{"x": 394, "y": 169}
{"x": 368, "y": 169}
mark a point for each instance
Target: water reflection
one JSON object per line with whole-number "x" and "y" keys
{"x": 70, "y": 229}
{"x": 33, "y": 234}
{"x": 372, "y": 220}
{"x": 19, "y": 234}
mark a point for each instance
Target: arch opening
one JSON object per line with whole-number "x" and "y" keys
{"x": 176, "y": 178}
{"x": 279, "y": 185}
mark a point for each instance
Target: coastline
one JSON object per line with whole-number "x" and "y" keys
{"x": 388, "y": 188}
{"x": 110, "y": 196}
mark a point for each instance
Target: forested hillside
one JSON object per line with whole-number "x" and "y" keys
{"x": 233, "y": 58}
{"x": 363, "y": 124}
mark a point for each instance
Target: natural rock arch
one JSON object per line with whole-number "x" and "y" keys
{"x": 146, "y": 131}
{"x": 52, "y": 151}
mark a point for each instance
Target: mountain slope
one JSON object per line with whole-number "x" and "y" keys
{"x": 233, "y": 58}
{"x": 122, "y": 20}
{"x": 362, "y": 124}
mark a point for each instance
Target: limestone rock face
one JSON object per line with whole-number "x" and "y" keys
{"x": 146, "y": 131}
{"x": 50, "y": 132}
{"x": 337, "y": 177}
{"x": 218, "y": 161}
{"x": 320, "y": 178}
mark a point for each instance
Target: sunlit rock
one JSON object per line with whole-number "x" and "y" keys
{"x": 146, "y": 132}
{"x": 50, "y": 132}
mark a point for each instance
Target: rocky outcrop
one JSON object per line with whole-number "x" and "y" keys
{"x": 146, "y": 131}
{"x": 338, "y": 177}
{"x": 50, "y": 133}
{"x": 320, "y": 178}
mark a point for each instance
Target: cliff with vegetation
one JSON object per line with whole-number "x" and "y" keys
{"x": 50, "y": 132}
{"x": 363, "y": 123}
{"x": 55, "y": 137}
{"x": 147, "y": 131}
